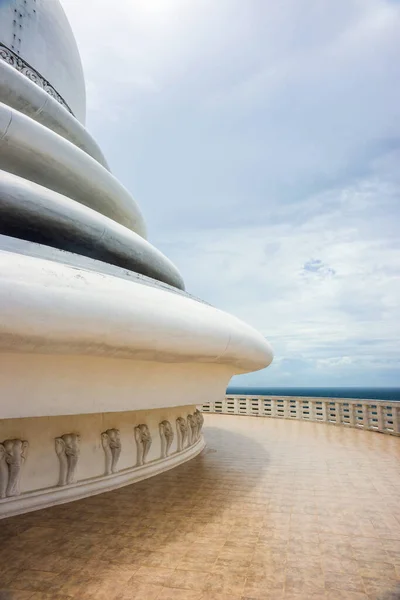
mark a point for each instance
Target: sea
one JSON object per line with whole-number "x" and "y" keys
{"x": 391, "y": 394}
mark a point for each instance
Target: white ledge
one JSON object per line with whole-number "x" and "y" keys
{"x": 52, "y": 308}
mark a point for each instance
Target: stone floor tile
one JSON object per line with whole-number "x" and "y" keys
{"x": 15, "y": 595}
{"x": 34, "y": 581}
{"x": 306, "y": 595}
{"x": 153, "y": 575}
{"x": 45, "y": 596}
{"x": 225, "y": 583}
{"x": 179, "y": 594}
{"x": 344, "y": 581}
{"x": 137, "y": 590}
{"x": 188, "y": 580}
{"x": 346, "y": 595}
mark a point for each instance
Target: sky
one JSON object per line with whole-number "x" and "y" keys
{"x": 261, "y": 140}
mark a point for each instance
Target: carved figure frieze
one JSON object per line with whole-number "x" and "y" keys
{"x": 143, "y": 443}
{"x": 182, "y": 431}
{"x": 12, "y": 457}
{"x": 67, "y": 450}
{"x": 111, "y": 442}
{"x": 200, "y": 422}
{"x": 167, "y": 436}
{"x": 192, "y": 429}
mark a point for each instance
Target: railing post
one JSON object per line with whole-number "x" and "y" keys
{"x": 273, "y": 407}
{"x": 379, "y": 416}
{"x": 299, "y": 406}
{"x": 324, "y": 410}
{"x": 365, "y": 419}
{"x": 312, "y": 405}
{"x": 338, "y": 417}
{"x": 260, "y": 406}
{"x": 396, "y": 420}
{"x": 351, "y": 415}
{"x": 286, "y": 405}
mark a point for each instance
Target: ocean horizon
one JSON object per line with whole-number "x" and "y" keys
{"x": 391, "y": 394}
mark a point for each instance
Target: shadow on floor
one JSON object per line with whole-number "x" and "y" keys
{"x": 184, "y": 504}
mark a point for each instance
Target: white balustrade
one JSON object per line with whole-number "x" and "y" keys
{"x": 374, "y": 415}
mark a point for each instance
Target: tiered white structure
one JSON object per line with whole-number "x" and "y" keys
{"x": 104, "y": 356}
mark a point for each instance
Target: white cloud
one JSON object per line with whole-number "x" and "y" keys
{"x": 261, "y": 140}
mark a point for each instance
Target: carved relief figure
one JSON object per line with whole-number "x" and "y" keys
{"x": 200, "y": 422}
{"x": 67, "y": 449}
{"x": 182, "y": 430}
{"x": 12, "y": 457}
{"x": 192, "y": 429}
{"x": 143, "y": 443}
{"x": 111, "y": 442}
{"x": 167, "y": 435}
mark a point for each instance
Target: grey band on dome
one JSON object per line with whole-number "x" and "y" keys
{"x": 36, "y": 214}
{"x": 23, "y": 67}
{"x": 32, "y": 151}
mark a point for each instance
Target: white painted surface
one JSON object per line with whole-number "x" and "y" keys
{"x": 38, "y": 154}
{"x": 36, "y": 385}
{"x": 22, "y": 94}
{"x": 47, "y": 44}
{"x": 52, "y": 216}
{"x": 51, "y": 308}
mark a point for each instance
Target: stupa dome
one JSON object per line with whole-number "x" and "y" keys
{"x": 38, "y": 33}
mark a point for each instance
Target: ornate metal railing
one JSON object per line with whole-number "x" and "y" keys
{"x": 374, "y": 415}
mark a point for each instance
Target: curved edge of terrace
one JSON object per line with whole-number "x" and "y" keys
{"x": 371, "y": 415}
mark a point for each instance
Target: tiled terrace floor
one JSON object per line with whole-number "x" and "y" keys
{"x": 270, "y": 509}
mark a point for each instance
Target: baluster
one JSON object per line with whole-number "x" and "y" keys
{"x": 351, "y": 414}
{"x": 299, "y": 408}
{"x": 260, "y": 411}
{"x": 379, "y": 416}
{"x": 365, "y": 419}
{"x": 338, "y": 418}
{"x": 324, "y": 409}
{"x": 396, "y": 419}
{"x": 273, "y": 407}
{"x": 312, "y": 408}
{"x": 286, "y": 408}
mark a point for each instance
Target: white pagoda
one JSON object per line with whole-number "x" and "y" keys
{"x": 103, "y": 354}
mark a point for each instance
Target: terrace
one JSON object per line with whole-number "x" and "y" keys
{"x": 272, "y": 508}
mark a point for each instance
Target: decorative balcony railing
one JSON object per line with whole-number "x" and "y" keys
{"x": 374, "y": 415}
